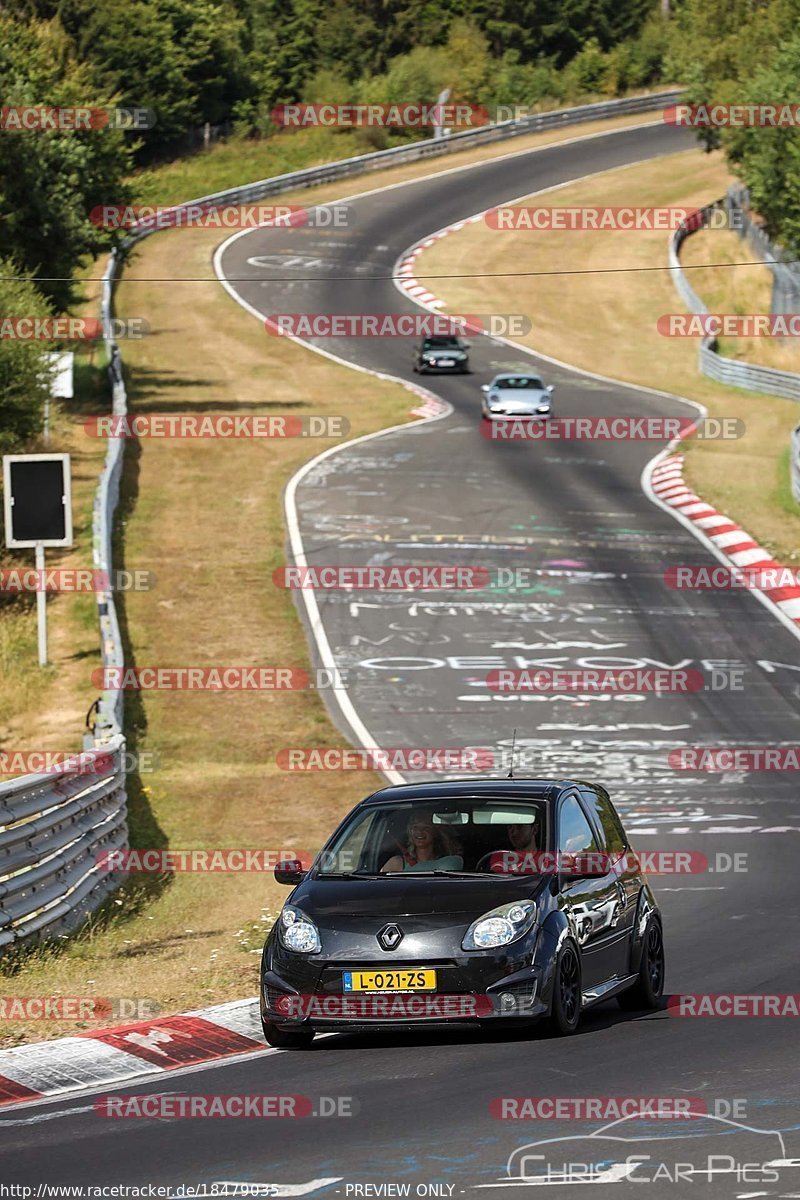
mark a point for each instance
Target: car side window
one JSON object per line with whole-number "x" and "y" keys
{"x": 607, "y": 819}
{"x": 575, "y": 834}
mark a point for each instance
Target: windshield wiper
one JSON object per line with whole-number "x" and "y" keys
{"x": 349, "y": 875}
{"x": 457, "y": 874}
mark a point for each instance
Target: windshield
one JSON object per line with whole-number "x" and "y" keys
{"x": 441, "y": 343}
{"x": 483, "y": 836}
{"x": 520, "y": 381}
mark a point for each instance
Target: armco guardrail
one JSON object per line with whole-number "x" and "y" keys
{"x": 53, "y": 828}
{"x": 729, "y": 371}
{"x": 109, "y": 712}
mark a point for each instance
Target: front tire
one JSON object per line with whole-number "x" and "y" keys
{"x": 287, "y": 1039}
{"x": 565, "y": 1012}
{"x": 648, "y": 989}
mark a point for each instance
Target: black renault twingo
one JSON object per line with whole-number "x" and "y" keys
{"x": 497, "y": 900}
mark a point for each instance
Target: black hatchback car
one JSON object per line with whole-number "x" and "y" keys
{"x": 442, "y": 353}
{"x": 512, "y": 899}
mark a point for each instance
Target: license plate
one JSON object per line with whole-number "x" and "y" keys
{"x": 389, "y": 981}
{"x": 446, "y": 362}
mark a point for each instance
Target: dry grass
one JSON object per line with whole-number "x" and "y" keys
{"x": 607, "y": 322}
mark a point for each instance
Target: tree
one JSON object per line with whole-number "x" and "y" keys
{"x": 768, "y": 159}
{"x": 51, "y": 180}
{"x": 24, "y": 366}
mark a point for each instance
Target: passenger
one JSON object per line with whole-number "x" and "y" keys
{"x": 427, "y": 848}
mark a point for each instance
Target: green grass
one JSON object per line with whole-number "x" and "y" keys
{"x": 237, "y": 161}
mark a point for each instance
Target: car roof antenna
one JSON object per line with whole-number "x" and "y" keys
{"x": 510, "y": 774}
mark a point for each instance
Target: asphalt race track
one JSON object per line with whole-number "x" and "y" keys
{"x": 575, "y": 515}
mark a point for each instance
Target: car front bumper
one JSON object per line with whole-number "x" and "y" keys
{"x": 488, "y": 986}
{"x": 494, "y": 415}
{"x": 456, "y": 367}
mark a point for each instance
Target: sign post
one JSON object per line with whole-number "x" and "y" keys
{"x": 37, "y": 507}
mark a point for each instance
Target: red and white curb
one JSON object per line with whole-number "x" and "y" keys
{"x": 728, "y": 539}
{"x": 144, "y": 1048}
{"x": 431, "y": 407}
{"x": 404, "y": 271}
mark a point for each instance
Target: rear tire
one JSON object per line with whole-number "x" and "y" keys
{"x": 565, "y": 1013}
{"x": 648, "y": 989}
{"x": 287, "y": 1039}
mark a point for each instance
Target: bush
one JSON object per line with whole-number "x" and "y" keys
{"x": 25, "y": 372}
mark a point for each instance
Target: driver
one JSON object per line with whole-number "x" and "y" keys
{"x": 521, "y": 859}
{"x": 427, "y": 848}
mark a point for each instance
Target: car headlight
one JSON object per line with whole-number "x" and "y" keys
{"x": 297, "y": 931}
{"x": 500, "y": 926}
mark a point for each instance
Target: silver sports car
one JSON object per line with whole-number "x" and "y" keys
{"x": 513, "y": 395}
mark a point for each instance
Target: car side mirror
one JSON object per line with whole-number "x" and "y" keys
{"x": 550, "y": 387}
{"x": 466, "y": 345}
{"x": 574, "y": 866}
{"x": 484, "y": 387}
{"x": 290, "y": 872}
{"x": 589, "y": 865}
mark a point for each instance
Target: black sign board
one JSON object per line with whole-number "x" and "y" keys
{"x": 38, "y": 510}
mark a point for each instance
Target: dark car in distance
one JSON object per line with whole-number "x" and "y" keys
{"x": 442, "y": 353}
{"x": 498, "y": 900}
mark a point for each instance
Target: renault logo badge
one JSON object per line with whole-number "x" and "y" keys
{"x": 390, "y": 936}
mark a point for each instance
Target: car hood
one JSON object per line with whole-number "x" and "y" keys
{"x": 407, "y": 895}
